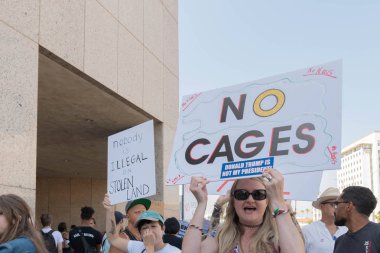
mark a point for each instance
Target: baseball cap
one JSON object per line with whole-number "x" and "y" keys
{"x": 118, "y": 217}
{"x": 144, "y": 202}
{"x": 149, "y": 215}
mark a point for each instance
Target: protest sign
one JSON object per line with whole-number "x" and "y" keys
{"x": 189, "y": 203}
{"x": 291, "y": 122}
{"x": 131, "y": 164}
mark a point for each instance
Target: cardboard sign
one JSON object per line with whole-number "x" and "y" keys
{"x": 131, "y": 164}
{"x": 295, "y": 118}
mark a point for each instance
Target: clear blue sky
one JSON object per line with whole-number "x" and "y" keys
{"x": 222, "y": 43}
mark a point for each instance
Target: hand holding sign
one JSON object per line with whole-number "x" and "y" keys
{"x": 199, "y": 189}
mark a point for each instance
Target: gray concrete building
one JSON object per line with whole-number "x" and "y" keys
{"x": 71, "y": 74}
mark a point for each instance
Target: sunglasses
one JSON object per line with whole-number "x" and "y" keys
{"x": 330, "y": 203}
{"x": 244, "y": 194}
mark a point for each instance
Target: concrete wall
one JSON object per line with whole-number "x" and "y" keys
{"x": 130, "y": 46}
{"x": 18, "y": 97}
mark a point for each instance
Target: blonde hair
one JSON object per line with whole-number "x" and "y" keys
{"x": 17, "y": 214}
{"x": 229, "y": 236}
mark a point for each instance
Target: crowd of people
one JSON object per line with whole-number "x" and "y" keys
{"x": 257, "y": 219}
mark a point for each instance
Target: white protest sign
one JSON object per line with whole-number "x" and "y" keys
{"x": 298, "y": 186}
{"x": 131, "y": 164}
{"x": 189, "y": 203}
{"x": 291, "y": 122}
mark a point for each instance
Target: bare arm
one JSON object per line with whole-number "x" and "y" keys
{"x": 112, "y": 233}
{"x": 192, "y": 241}
{"x": 59, "y": 247}
{"x": 290, "y": 240}
{"x": 294, "y": 219}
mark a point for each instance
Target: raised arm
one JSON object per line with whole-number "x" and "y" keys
{"x": 290, "y": 240}
{"x": 112, "y": 233}
{"x": 192, "y": 241}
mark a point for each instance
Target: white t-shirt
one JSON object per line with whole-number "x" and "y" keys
{"x": 318, "y": 238}
{"x": 139, "y": 247}
{"x": 56, "y": 234}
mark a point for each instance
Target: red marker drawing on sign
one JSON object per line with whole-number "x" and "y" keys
{"x": 223, "y": 184}
{"x": 189, "y": 100}
{"x": 319, "y": 72}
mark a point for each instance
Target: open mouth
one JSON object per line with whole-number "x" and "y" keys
{"x": 249, "y": 209}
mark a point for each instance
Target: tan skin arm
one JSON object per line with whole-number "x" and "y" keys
{"x": 192, "y": 241}
{"x": 290, "y": 240}
{"x": 59, "y": 247}
{"x": 111, "y": 230}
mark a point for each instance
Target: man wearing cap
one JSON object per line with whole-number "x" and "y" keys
{"x": 149, "y": 224}
{"x": 133, "y": 209}
{"x": 320, "y": 236}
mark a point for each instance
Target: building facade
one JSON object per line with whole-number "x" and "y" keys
{"x": 360, "y": 165}
{"x": 71, "y": 74}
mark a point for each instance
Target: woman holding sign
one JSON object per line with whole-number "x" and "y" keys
{"x": 257, "y": 219}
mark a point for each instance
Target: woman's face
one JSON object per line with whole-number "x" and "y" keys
{"x": 3, "y": 224}
{"x": 250, "y": 211}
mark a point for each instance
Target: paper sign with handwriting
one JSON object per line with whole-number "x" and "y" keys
{"x": 131, "y": 164}
{"x": 294, "y": 118}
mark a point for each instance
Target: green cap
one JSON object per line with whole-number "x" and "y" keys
{"x": 149, "y": 215}
{"x": 144, "y": 202}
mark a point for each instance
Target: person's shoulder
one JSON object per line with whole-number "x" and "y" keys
{"x": 92, "y": 230}
{"x": 46, "y": 229}
{"x": 374, "y": 226}
{"x": 57, "y": 233}
{"x": 340, "y": 238}
{"x": 20, "y": 244}
{"x": 135, "y": 246}
{"x": 73, "y": 231}
{"x": 172, "y": 249}
{"x": 311, "y": 227}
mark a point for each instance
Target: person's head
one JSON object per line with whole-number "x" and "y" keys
{"x": 134, "y": 208}
{"x": 62, "y": 227}
{"x": 325, "y": 202}
{"x": 92, "y": 222}
{"x": 248, "y": 205}
{"x": 151, "y": 221}
{"x": 171, "y": 226}
{"x": 354, "y": 201}
{"x": 86, "y": 213}
{"x": 119, "y": 218}
{"x": 16, "y": 220}
{"x": 45, "y": 219}
{"x": 72, "y": 227}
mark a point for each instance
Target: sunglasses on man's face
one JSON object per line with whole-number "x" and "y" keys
{"x": 256, "y": 194}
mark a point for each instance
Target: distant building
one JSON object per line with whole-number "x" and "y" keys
{"x": 360, "y": 165}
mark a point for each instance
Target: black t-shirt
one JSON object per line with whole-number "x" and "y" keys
{"x": 366, "y": 240}
{"x": 173, "y": 240}
{"x": 92, "y": 236}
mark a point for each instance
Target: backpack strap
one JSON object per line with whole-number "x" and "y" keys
{"x": 104, "y": 240}
{"x": 84, "y": 241}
